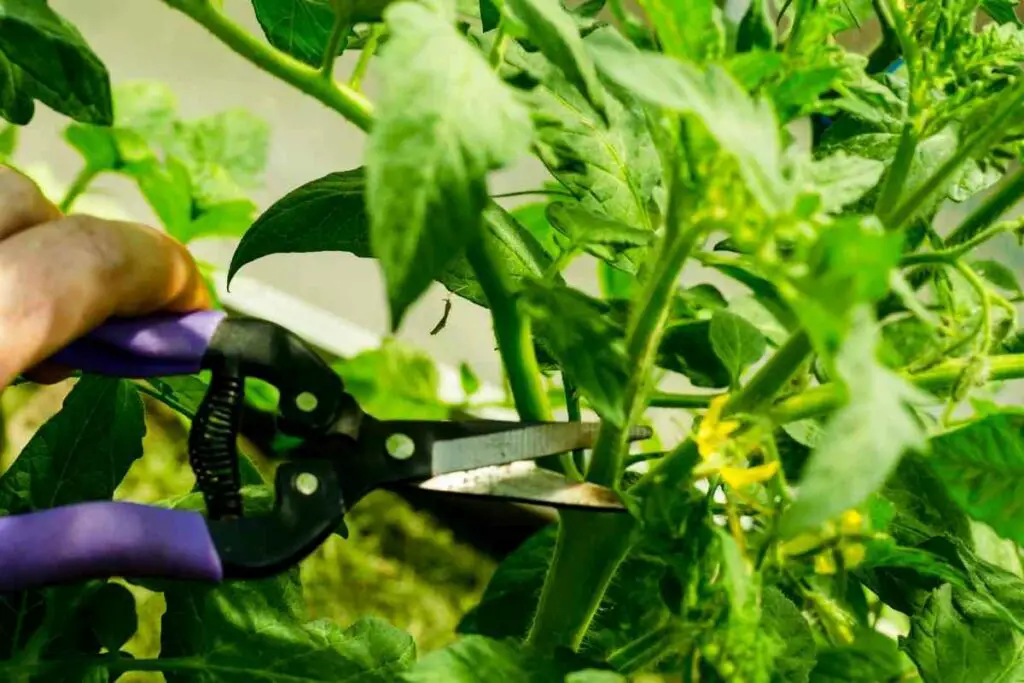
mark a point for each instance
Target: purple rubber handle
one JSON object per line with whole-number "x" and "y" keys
{"x": 150, "y": 346}
{"x": 100, "y": 540}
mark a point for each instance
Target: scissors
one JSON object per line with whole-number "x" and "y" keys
{"x": 340, "y": 454}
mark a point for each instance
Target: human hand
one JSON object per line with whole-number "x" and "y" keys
{"x": 63, "y": 276}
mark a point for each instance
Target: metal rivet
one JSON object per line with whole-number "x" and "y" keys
{"x": 400, "y": 446}
{"x": 306, "y": 483}
{"x": 306, "y": 402}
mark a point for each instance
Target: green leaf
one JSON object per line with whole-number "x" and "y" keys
{"x": 167, "y": 189}
{"x": 948, "y": 647}
{"x": 445, "y": 122}
{"x": 329, "y": 214}
{"x": 863, "y": 440}
{"x": 476, "y": 658}
{"x": 998, "y": 274}
{"x": 96, "y": 145}
{"x": 743, "y": 126}
{"x": 981, "y": 466}
{"x": 144, "y": 118}
{"x": 490, "y": 15}
{"x": 111, "y": 615}
{"x": 82, "y": 452}
{"x": 16, "y": 103}
{"x": 552, "y": 29}
{"x": 1002, "y": 11}
{"x": 841, "y": 179}
{"x": 229, "y": 218}
{"x": 886, "y": 553}
{"x": 468, "y": 380}
{"x": 225, "y": 154}
{"x": 686, "y": 348}
{"x": 689, "y": 30}
{"x": 302, "y": 28}
{"x": 611, "y": 168}
{"x": 394, "y": 382}
{"x": 252, "y": 631}
{"x": 183, "y": 393}
{"x": 588, "y": 347}
{"x": 326, "y": 214}
{"x": 8, "y": 141}
{"x": 736, "y": 342}
{"x": 57, "y": 65}
{"x": 757, "y": 29}
{"x": 779, "y": 615}
{"x": 871, "y": 658}
{"x": 604, "y": 237}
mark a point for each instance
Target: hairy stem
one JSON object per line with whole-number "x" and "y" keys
{"x": 512, "y": 331}
{"x": 79, "y": 185}
{"x": 896, "y": 178}
{"x": 365, "y": 55}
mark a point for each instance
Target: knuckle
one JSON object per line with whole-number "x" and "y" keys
{"x": 20, "y": 196}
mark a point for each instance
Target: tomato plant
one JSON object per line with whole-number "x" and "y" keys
{"x": 843, "y": 507}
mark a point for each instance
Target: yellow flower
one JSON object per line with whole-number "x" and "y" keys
{"x": 738, "y": 477}
{"x": 713, "y": 435}
{"x": 851, "y": 522}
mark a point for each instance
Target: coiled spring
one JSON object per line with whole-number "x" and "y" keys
{"x": 212, "y": 446}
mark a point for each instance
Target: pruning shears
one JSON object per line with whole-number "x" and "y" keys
{"x": 341, "y": 454}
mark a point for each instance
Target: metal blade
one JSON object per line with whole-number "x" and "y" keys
{"x": 527, "y": 442}
{"x": 524, "y": 482}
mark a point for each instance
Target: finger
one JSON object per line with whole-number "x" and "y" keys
{"x": 22, "y": 203}
{"x": 64, "y": 278}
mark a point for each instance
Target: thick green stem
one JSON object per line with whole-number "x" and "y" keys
{"x": 896, "y": 178}
{"x": 79, "y": 185}
{"x": 512, "y": 331}
{"x": 994, "y": 206}
{"x": 589, "y": 549}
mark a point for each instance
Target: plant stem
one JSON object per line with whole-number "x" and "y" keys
{"x": 949, "y": 256}
{"x": 572, "y": 409}
{"x": 512, "y": 331}
{"x": 497, "y": 53}
{"x": 365, "y": 55}
{"x": 896, "y": 178}
{"x": 342, "y": 99}
{"x": 526, "y": 193}
{"x": 975, "y": 144}
{"x": 591, "y": 547}
{"x": 339, "y": 33}
{"x": 664, "y": 399}
{"x": 994, "y": 206}
{"x": 589, "y": 550}
{"x": 79, "y": 185}
{"x": 773, "y": 375}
